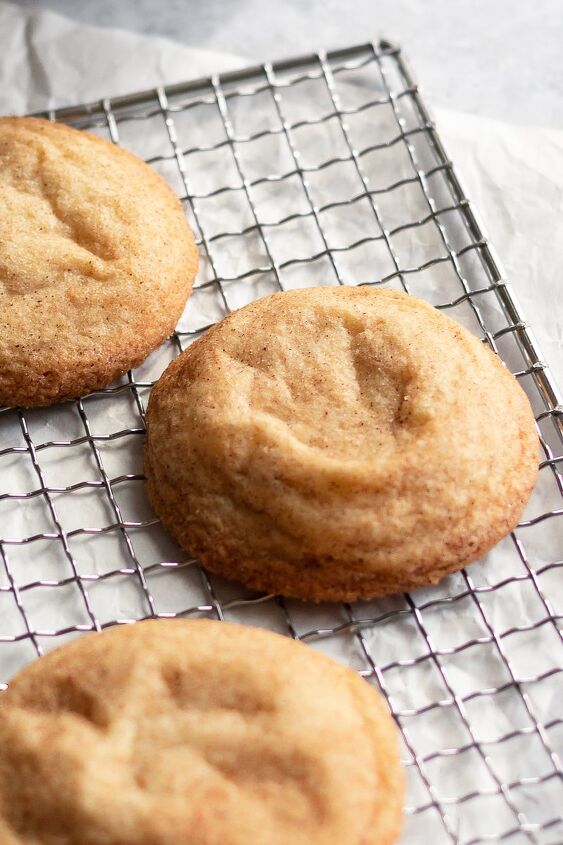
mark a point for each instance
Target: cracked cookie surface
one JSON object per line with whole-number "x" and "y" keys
{"x": 339, "y": 443}
{"x": 96, "y": 261}
{"x": 195, "y": 733}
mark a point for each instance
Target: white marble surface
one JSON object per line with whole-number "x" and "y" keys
{"x": 497, "y": 58}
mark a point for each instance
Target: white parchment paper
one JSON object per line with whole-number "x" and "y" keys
{"x": 515, "y": 177}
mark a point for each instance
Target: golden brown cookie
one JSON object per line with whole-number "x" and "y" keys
{"x": 195, "y": 733}
{"x": 339, "y": 443}
{"x": 96, "y": 261}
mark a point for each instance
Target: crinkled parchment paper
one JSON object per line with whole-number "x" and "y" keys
{"x": 515, "y": 177}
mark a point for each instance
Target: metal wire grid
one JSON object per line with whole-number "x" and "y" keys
{"x": 481, "y": 760}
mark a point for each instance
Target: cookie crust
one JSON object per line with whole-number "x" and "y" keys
{"x": 96, "y": 261}
{"x": 339, "y": 443}
{"x": 195, "y": 733}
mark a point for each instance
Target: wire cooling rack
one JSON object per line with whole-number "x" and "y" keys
{"x": 321, "y": 170}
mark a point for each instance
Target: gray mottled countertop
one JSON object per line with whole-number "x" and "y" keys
{"x": 498, "y": 58}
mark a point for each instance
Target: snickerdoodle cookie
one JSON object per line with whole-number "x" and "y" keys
{"x": 195, "y": 733}
{"x": 96, "y": 261}
{"x": 339, "y": 443}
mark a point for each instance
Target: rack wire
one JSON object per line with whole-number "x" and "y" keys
{"x": 321, "y": 170}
